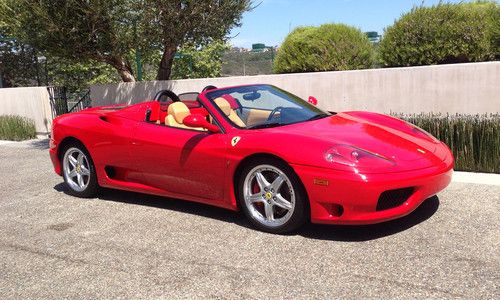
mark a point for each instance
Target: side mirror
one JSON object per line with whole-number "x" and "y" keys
{"x": 197, "y": 120}
{"x": 312, "y": 100}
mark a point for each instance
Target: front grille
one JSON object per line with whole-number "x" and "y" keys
{"x": 393, "y": 198}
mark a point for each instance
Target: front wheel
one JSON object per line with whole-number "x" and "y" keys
{"x": 272, "y": 197}
{"x": 79, "y": 171}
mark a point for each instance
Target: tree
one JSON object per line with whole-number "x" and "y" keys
{"x": 330, "y": 47}
{"x": 445, "y": 33}
{"x": 72, "y": 29}
{"x": 199, "y": 62}
{"x": 172, "y": 23}
{"x": 191, "y": 61}
{"x": 17, "y": 63}
{"x": 78, "y": 76}
{"x": 110, "y": 31}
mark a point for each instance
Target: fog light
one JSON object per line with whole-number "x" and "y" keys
{"x": 336, "y": 210}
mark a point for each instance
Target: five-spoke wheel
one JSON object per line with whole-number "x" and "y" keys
{"x": 272, "y": 197}
{"x": 78, "y": 171}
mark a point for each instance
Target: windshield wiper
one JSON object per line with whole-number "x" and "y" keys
{"x": 265, "y": 125}
{"x": 318, "y": 116}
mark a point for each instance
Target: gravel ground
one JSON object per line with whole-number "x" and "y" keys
{"x": 128, "y": 245}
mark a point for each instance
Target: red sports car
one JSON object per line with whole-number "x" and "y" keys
{"x": 257, "y": 148}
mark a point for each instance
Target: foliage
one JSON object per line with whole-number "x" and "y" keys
{"x": 78, "y": 76}
{"x": 22, "y": 65}
{"x": 474, "y": 139}
{"x": 111, "y": 31}
{"x": 173, "y": 23}
{"x": 445, "y": 33}
{"x": 74, "y": 30}
{"x": 16, "y": 128}
{"x": 330, "y": 47}
{"x": 16, "y": 63}
{"x": 199, "y": 62}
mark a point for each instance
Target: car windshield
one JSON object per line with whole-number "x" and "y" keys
{"x": 263, "y": 106}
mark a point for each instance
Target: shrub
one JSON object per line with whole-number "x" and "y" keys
{"x": 16, "y": 128}
{"x": 330, "y": 47}
{"x": 445, "y": 33}
{"x": 474, "y": 139}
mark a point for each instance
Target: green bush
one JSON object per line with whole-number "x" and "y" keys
{"x": 16, "y": 128}
{"x": 330, "y": 47}
{"x": 445, "y": 33}
{"x": 474, "y": 139}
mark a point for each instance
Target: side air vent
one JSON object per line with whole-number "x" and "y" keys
{"x": 110, "y": 171}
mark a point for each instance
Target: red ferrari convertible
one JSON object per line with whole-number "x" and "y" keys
{"x": 257, "y": 148}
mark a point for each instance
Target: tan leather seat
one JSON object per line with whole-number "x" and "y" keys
{"x": 177, "y": 111}
{"x": 228, "y": 111}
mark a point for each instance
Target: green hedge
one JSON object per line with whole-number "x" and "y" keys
{"x": 474, "y": 139}
{"x": 329, "y": 47}
{"x": 444, "y": 33}
{"x": 16, "y": 128}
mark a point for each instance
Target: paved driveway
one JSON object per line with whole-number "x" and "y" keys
{"x": 137, "y": 246}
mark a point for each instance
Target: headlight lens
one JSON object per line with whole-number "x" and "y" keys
{"x": 422, "y": 133}
{"x": 352, "y": 156}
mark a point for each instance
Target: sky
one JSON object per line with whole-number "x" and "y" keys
{"x": 272, "y": 20}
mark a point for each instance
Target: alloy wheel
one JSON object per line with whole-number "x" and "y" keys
{"x": 269, "y": 195}
{"x": 76, "y": 169}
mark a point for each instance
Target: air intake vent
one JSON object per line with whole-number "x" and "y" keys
{"x": 393, "y": 198}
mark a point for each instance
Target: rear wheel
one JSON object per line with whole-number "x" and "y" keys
{"x": 272, "y": 197}
{"x": 79, "y": 171}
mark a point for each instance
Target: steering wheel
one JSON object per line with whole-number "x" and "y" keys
{"x": 168, "y": 93}
{"x": 274, "y": 112}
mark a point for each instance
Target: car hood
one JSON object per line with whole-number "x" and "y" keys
{"x": 385, "y": 136}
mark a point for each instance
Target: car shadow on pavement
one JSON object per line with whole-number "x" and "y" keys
{"x": 359, "y": 233}
{"x": 346, "y": 233}
{"x": 42, "y": 144}
{"x": 173, "y": 204}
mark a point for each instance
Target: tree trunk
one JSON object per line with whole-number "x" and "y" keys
{"x": 165, "y": 68}
{"x": 123, "y": 68}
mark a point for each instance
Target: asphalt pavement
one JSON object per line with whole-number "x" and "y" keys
{"x": 135, "y": 246}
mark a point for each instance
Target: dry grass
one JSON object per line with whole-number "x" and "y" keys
{"x": 16, "y": 128}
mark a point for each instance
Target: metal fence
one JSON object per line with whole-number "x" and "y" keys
{"x": 63, "y": 102}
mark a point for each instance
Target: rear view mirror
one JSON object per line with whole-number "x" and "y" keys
{"x": 312, "y": 100}
{"x": 197, "y": 120}
{"x": 252, "y": 96}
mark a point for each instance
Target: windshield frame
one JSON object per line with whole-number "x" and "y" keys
{"x": 213, "y": 94}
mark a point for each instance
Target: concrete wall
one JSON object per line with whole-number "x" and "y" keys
{"x": 31, "y": 102}
{"x": 458, "y": 88}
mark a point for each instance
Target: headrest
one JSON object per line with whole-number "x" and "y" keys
{"x": 231, "y": 100}
{"x": 223, "y": 105}
{"x": 179, "y": 111}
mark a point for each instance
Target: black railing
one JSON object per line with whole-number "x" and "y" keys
{"x": 84, "y": 102}
{"x": 58, "y": 100}
{"x": 63, "y": 102}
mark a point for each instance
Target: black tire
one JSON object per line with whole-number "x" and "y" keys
{"x": 90, "y": 190}
{"x": 300, "y": 212}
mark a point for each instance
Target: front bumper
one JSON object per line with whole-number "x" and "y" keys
{"x": 54, "y": 158}
{"x": 339, "y": 197}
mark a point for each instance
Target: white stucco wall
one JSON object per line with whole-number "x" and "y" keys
{"x": 30, "y": 102}
{"x": 459, "y": 88}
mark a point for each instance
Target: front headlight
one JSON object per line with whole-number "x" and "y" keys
{"x": 422, "y": 133}
{"x": 352, "y": 156}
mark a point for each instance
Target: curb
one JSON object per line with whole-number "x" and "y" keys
{"x": 3, "y": 142}
{"x": 476, "y": 178}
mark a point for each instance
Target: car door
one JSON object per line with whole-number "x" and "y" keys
{"x": 181, "y": 161}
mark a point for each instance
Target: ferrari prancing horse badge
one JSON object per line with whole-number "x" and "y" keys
{"x": 235, "y": 140}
